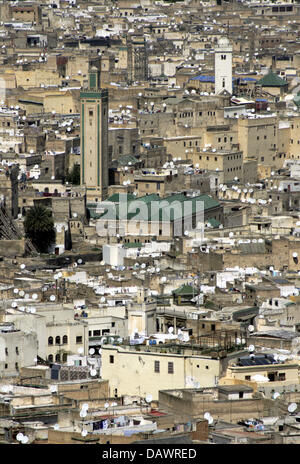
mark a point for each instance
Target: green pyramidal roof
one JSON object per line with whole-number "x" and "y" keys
{"x": 272, "y": 80}
{"x": 186, "y": 290}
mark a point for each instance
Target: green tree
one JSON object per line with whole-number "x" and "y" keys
{"x": 74, "y": 176}
{"x": 39, "y": 227}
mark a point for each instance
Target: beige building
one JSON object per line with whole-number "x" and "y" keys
{"x": 228, "y": 163}
{"x": 139, "y": 370}
{"x": 257, "y": 137}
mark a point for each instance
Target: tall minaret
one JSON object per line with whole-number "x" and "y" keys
{"x": 94, "y": 138}
{"x": 223, "y": 66}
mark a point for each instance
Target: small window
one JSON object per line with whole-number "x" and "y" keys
{"x": 50, "y": 358}
{"x": 17, "y": 350}
{"x": 65, "y": 340}
{"x": 79, "y": 339}
{"x": 91, "y": 113}
{"x": 96, "y": 333}
{"x": 6, "y": 351}
{"x": 50, "y": 341}
{"x": 170, "y": 368}
{"x": 16, "y": 366}
{"x": 111, "y": 359}
{"x": 156, "y": 366}
{"x": 57, "y": 340}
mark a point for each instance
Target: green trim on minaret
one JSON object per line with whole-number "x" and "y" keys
{"x": 98, "y": 145}
{"x": 82, "y": 143}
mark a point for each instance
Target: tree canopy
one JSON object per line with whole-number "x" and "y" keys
{"x": 39, "y": 227}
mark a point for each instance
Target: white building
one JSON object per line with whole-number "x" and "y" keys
{"x": 223, "y": 66}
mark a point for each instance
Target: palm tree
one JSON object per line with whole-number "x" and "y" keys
{"x": 39, "y": 227}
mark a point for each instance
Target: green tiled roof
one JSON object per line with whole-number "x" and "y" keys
{"x": 271, "y": 80}
{"x": 213, "y": 222}
{"x": 148, "y": 213}
{"x": 115, "y": 197}
{"x": 133, "y": 245}
{"x": 126, "y": 159}
{"x": 186, "y": 290}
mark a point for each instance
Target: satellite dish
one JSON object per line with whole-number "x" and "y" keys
{"x": 35, "y": 296}
{"x": 91, "y": 351}
{"x": 80, "y": 350}
{"x": 56, "y": 427}
{"x": 14, "y": 304}
{"x": 210, "y": 420}
{"x": 276, "y": 395}
{"x": 238, "y": 341}
{"x": 180, "y": 336}
{"x": 93, "y": 372}
{"x": 24, "y": 440}
{"x": 22, "y": 266}
{"x": 292, "y": 407}
{"x": 85, "y": 407}
{"x": 79, "y": 261}
{"x": 250, "y": 328}
{"x": 52, "y": 298}
{"x": 22, "y": 293}
{"x": 171, "y": 330}
{"x": 207, "y": 415}
{"x": 251, "y": 348}
{"x": 106, "y": 405}
{"x": 148, "y": 398}
{"x": 20, "y": 436}
{"x": 83, "y": 413}
{"x": 84, "y": 433}
{"x": 16, "y": 290}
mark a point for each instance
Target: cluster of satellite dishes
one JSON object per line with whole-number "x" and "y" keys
{"x": 209, "y": 418}
{"x": 292, "y": 407}
{"x": 22, "y": 438}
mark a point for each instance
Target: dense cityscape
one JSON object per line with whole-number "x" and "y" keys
{"x": 149, "y": 222}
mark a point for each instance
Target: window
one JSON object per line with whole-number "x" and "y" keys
{"x": 170, "y": 368}
{"x": 247, "y": 377}
{"x": 91, "y": 113}
{"x": 50, "y": 341}
{"x": 57, "y": 357}
{"x": 96, "y": 333}
{"x": 111, "y": 359}
{"x": 6, "y": 351}
{"x": 17, "y": 350}
{"x": 57, "y": 340}
{"x": 156, "y": 366}
{"x": 113, "y": 324}
{"x": 50, "y": 358}
{"x": 65, "y": 340}
{"x": 6, "y": 366}
{"x": 64, "y": 357}
{"x": 79, "y": 339}
{"x": 158, "y": 185}
{"x": 16, "y": 366}
{"x": 223, "y": 57}
{"x": 241, "y": 394}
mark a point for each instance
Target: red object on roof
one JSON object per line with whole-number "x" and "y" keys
{"x": 155, "y": 412}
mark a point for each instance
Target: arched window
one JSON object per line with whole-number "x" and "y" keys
{"x": 57, "y": 340}
{"x": 50, "y": 341}
{"x": 50, "y": 358}
{"x": 64, "y": 358}
{"x": 57, "y": 357}
{"x": 65, "y": 339}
